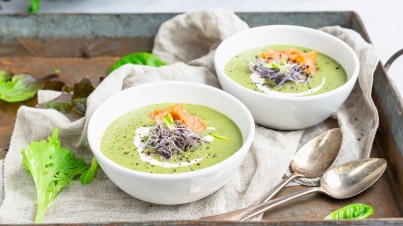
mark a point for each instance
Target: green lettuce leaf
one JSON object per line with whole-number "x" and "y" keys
{"x": 141, "y": 58}
{"x": 352, "y": 211}
{"x": 34, "y": 6}
{"x": 91, "y": 173}
{"x": 52, "y": 167}
{"x": 16, "y": 88}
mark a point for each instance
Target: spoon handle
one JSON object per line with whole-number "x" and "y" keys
{"x": 281, "y": 185}
{"x": 251, "y": 211}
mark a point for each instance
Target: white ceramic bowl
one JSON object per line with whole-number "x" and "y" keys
{"x": 179, "y": 188}
{"x": 279, "y": 111}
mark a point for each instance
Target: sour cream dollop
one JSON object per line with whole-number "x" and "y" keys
{"x": 259, "y": 81}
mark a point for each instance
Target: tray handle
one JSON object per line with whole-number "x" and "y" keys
{"x": 393, "y": 58}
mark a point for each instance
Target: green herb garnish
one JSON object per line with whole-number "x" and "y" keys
{"x": 52, "y": 167}
{"x": 220, "y": 137}
{"x": 352, "y": 211}
{"x": 141, "y": 58}
{"x": 169, "y": 121}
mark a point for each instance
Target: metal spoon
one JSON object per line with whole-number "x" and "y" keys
{"x": 313, "y": 158}
{"x": 341, "y": 182}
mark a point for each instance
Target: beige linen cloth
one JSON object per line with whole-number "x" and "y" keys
{"x": 187, "y": 42}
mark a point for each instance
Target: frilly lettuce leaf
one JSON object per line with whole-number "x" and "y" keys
{"x": 52, "y": 167}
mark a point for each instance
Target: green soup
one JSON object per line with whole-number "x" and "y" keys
{"x": 123, "y": 145}
{"x": 329, "y": 75}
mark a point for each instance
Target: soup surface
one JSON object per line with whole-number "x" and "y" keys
{"x": 127, "y": 140}
{"x": 254, "y": 69}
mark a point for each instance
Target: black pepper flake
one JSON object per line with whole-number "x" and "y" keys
{"x": 174, "y": 170}
{"x": 359, "y": 138}
{"x": 126, "y": 152}
{"x": 337, "y": 68}
{"x": 356, "y": 119}
{"x": 198, "y": 164}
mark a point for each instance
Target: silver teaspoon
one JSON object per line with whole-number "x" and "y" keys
{"x": 341, "y": 182}
{"x": 313, "y": 158}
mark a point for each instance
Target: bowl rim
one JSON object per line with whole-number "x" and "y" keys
{"x": 351, "y": 81}
{"x": 246, "y": 145}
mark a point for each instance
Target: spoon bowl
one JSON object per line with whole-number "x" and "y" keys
{"x": 318, "y": 154}
{"x": 352, "y": 178}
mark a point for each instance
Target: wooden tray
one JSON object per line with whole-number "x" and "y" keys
{"x": 86, "y": 45}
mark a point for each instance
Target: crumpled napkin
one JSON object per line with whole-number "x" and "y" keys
{"x": 187, "y": 42}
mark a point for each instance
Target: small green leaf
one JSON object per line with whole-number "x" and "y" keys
{"x": 275, "y": 64}
{"x": 169, "y": 121}
{"x": 352, "y": 211}
{"x": 34, "y": 6}
{"x": 283, "y": 62}
{"x": 220, "y": 137}
{"x": 58, "y": 71}
{"x": 91, "y": 173}
{"x": 141, "y": 58}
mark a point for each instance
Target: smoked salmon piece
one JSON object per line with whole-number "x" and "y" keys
{"x": 178, "y": 112}
{"x": 292, "y": 55}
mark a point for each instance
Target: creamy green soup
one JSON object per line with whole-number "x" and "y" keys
{"x": 123, "y": 141}
{"x": 329, "y": 75}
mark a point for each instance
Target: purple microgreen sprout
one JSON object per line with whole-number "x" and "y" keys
{"x": 169, "y": 137}
{"x": 279, "y": 72}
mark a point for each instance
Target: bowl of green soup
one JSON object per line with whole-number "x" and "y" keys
{"x": 290, "y": 77}
{"x": 170, "y": 142}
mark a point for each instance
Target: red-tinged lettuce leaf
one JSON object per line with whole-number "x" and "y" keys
{"x": 141, "y": 58}
{"x": 16, "y": 88}
{"x": 71, "y": 99}
{"x": 61, "y": 103}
